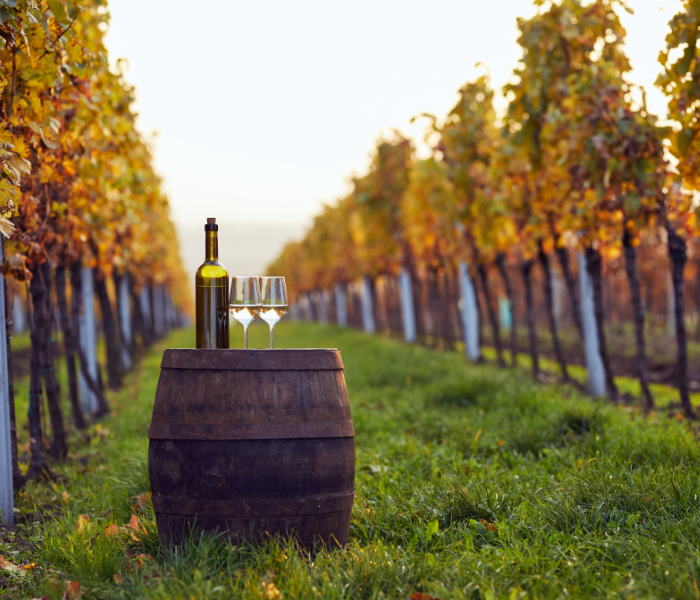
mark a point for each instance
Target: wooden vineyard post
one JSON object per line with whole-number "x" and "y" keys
{"x": 313, "y": 309}
{"x": 165, "y": 319}
{"x": 408, "y": 313}
{"x": 167, "y": 312}
{"x": 326, "y": 297}
{"x": 305, "y": 307}
{"x": 671, "y": 305}
{"x": 152, "y": 310}
{"x": 308, "y": 307}
{"x": 322, "y": 307}
{"x": 19, "y": 318}
{"x": 7, "y": 509}
{"x": 594, "y": 363}
{"x": 367, "y": 313}
{"x": 313, "y": 303}
{"x": 315, "y": 298}
{"x": 341, "y": 305}
{"x": 158, "y": 312}
{"x": 88, "y": 340}
{"x": 146, "y": 310}
{"x": 165, "y": 302}
{"x": 469, "y": 312}
{"x": 156, "y": 292}
{"x": 172, "y": 311}
{"x": 125, "y": 320}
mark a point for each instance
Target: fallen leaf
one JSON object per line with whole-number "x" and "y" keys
{"x": 142, "y": 501}
{"x": 66, "y": 496}
{"x": 134, "y": 523}
{"x": 271, "y": 592}
{"x": 136, "y": 527}
{"x": 82, "y": 523}
{"x": 141, "y": 557}
{"x": 111, "y": 530}
{"x": 117, "y": 579}
{"x": 101, "y": 431}
{"x": 29, "y": 567}
{"x": 11, "y": 567}
{"x": 72, "y": 591}
{"x": 489, "y": 526}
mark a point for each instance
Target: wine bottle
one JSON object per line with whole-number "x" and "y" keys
{"x": 212, "y": 294}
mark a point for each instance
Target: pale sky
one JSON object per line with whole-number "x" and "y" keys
{"x": 265, "y": 109}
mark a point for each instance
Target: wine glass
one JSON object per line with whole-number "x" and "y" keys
{"x": 274, "y": 302}
{"x": 244, "y": 302}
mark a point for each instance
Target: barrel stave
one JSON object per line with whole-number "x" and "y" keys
{"x": 252, "y": 444}
{"x": 330, "y": 530}
{"x": 252, "y": 469}
{"x": 250, "y": 397}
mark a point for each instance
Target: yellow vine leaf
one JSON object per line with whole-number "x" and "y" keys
{"x": 7, "y": 228}
{"x": 7, "y": 190}
{"x": 22, "y": 148}
{"x": 21, "y": 164}
{"x": 75, "y": 50}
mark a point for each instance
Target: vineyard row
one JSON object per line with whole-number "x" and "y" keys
{"x": 575, "y": 197}
{"x": 86, "y": 226}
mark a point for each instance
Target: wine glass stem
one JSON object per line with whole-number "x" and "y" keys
{"x": 272, "y": 330}
{"x": 245, "y": 336}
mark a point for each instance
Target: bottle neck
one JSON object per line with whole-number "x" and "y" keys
{"x": 211, "y": 246}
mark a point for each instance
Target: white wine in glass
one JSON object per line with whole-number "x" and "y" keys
{"x": 274, "y": 302}
{"x": 244, "y": 302}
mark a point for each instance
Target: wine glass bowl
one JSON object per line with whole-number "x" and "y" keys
{"x": 274, "y": 302}
{"x": 244, "y": 301}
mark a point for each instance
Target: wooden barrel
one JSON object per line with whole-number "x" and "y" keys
{"x": 252, "y": 442}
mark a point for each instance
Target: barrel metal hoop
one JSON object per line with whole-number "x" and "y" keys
{"x": 205, "y": 432}
{"x": 252, "y": 360}
{"x": 285, "y": 507}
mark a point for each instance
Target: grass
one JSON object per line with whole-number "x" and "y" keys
{"x": 472, "y": 482}
{"x": 664, "y": 395}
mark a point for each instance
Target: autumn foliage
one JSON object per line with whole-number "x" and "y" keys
{"x": 80, "y": 205}
{"x": 77, "y": 178}
{"x": 575, "y": 164}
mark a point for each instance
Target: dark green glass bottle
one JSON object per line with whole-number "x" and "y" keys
{"x": 212, "y": 294}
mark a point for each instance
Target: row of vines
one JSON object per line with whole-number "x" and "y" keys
{"x": 576, "y": 167}
{"x": 88, "y": 233}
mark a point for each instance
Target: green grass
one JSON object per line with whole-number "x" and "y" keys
{"x": 664, "y": 395}
{"x": 577, "y": 498}
{"x": 21, "y": 341}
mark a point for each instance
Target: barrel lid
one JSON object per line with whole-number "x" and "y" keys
{"x": 298, "y": 359}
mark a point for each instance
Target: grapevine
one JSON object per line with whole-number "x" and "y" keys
{"x": 577, "y": 164}
{"x": 78, "y": 191}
